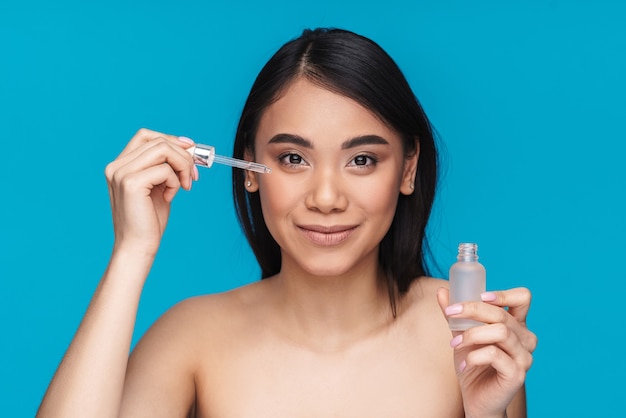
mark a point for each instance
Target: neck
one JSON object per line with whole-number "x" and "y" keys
{"x": 328, "y": 313}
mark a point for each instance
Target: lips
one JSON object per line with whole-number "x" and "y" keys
{"x": 327, "y": 236}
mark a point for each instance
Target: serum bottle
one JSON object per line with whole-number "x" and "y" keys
{"x": 467, "y": 282}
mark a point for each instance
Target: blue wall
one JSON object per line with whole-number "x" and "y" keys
{"x": 528, "y": 98}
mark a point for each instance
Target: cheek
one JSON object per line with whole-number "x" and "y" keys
{"x": 382, "y": 189}
{"x": 278, "y": 196}
{"x": 379, "y": 200}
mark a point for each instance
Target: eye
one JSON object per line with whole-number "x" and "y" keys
{"x": 363, "y": 161}
{"x": 291, "y": 159}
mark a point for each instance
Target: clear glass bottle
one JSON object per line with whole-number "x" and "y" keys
{"x": 468, "y": 279}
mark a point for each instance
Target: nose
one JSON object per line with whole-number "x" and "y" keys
{"x": 326, "y": 192}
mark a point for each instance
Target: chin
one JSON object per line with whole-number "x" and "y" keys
{"x": 329, "y": 268}
{"x": 329, "y": 263}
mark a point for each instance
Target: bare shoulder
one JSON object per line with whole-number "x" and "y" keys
{"x": 420, "y": 308}
{"x": 423, "y": 291}
{"x": 431, "y": 283}
{"x": 162, "y": 371}
{"x": 215, "y": 311}
{"x": 183, "y": 333}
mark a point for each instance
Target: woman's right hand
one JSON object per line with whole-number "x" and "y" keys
{"x": 143, "y": 181}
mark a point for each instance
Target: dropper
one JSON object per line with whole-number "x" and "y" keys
{"x": 204, "y": 155}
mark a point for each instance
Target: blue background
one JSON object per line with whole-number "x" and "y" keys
{"x": 528, "y": 98}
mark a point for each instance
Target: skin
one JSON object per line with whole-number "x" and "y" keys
{"x": 317, "y": 339}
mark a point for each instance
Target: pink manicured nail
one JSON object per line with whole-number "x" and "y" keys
{"x": 196, "y": 175}
{"x": 454, "y": 309}
{"x": 488, "y": 297}
{"x": 186, "y": 140}
{"x": 462, "y": 366}
{"x": 456, "y": 341}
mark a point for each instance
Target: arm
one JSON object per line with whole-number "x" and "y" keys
{"x": 143, "y": 180}
{"x": 90, "y": 378}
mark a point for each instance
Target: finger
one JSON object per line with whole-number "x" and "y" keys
{"x": 157, "y": 152}
{"x": 443, "y": 298}
{"x": 491, "y": 314}
{"x": 490, "y": 355}
{"x": 179, "y": 144}
{"x": 517, "y": 300}
{"x": 499, "y": 335}
{"x": 143, "y": 136}
{"x": 479, "y": 311}
{"x": 143, "y": 140}
{"x": 160, "y": 177}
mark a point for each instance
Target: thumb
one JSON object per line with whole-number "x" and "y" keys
{"x": 443, "y": 298}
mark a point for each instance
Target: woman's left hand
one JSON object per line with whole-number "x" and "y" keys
{"x": 491, "y": 360}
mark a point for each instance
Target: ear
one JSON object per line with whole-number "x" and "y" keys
{"x": 251, "y": 183}
{"x": 407, "y": 187}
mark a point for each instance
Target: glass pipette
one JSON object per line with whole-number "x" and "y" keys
{"x": 204, "y": 155}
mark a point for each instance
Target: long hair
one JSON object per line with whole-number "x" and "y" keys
{"x": 355, "y": 67}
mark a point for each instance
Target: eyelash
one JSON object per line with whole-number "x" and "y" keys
{"x": 372, "y": 160}
{"x": 282, "y": 157}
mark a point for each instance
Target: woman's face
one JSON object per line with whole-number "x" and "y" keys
{"x": 337, "y": 171}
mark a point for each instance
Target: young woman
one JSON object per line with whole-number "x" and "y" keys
{"x": 346, "y": 322}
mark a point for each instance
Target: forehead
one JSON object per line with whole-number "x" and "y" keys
{"x": 314, "y": 112}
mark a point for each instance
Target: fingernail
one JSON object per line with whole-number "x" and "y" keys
{"x": 196, "y": 175}
{"x": 186, "y": 140}
{"x": 456, "y": 341}
{"x": 454, "y": 309}
{"x": 488, "y": 297}
{"x": 462, "y": 366}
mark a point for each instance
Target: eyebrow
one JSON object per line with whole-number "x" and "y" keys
{"x": 350, "y": 143}
{"x": 364, "y": 140}
{"x": 291, "y": 139}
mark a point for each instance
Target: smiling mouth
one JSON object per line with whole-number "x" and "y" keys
{"x": 327, "y": 236}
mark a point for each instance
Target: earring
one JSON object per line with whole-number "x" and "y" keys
{"x": 412, "y": 186}
{"x": 248, "y": 183}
